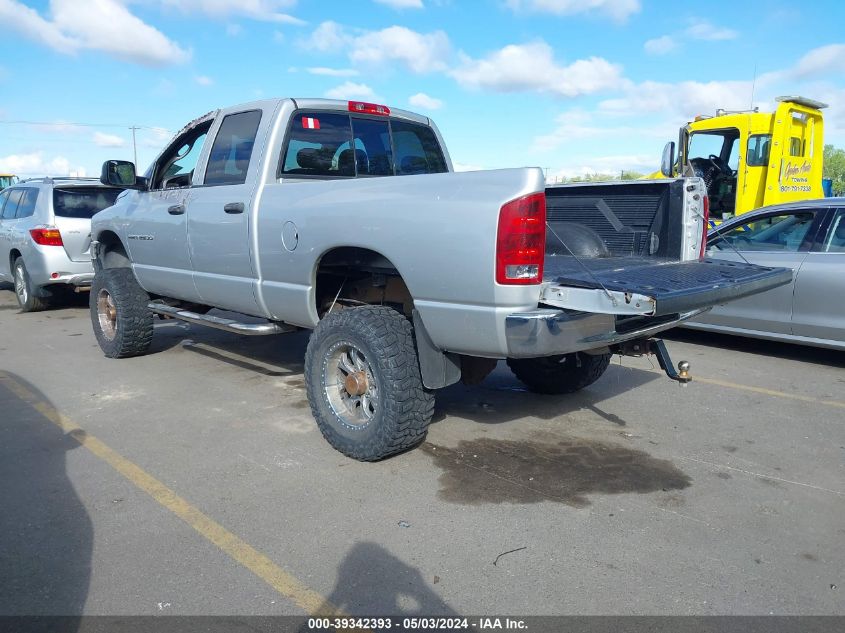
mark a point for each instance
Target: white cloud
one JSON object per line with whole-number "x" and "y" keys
{"x": 264, "y": 10}
{"x": 466, "y": 167}
{"x": 619, "y": 10}
{"x": 204, "y": 80}
{"x": 660, "y": 45}
{"x": 612, "y": 166}
{"x": 821, "y": 60}
{"x": 108, "y": 140}
{"x": 34, "y": 164}
{"x": 351, "y": 90}
{"x": 575, "y": 126}
{"x": 402, "y": 4}
{"x": 704, "y": 30}
{"x": 422, "y": 100}
{"x": 333, "y": 72}
{"x": 234, "y": 30}
{"x": 684, "y": 99}
{"x": 155, "y": 137}
{"x": 103, "y": 25}
{"x": 419, "y": 52}
{"x": 532, "y": 67}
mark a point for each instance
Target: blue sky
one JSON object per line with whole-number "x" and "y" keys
{"x": 573, "y": 86}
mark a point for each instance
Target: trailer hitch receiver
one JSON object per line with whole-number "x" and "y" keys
{"x": 656, "y": 346}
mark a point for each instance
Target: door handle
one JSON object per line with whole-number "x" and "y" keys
{"x": 234, "y": 207}
{"x": 176, "y": 209}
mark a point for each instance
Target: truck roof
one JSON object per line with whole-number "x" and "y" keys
{"x": 315, "y": 103}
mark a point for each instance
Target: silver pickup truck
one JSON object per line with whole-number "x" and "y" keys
{"x": 347, "y": 218}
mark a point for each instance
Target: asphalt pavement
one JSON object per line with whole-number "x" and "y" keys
{"x": 194, "y": 481}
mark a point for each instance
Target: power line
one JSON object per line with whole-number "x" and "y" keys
{"x": 71, "y": 124}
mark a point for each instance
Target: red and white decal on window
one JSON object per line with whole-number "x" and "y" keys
{"x": 310, "y": 124}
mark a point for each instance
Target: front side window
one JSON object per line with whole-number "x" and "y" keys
{"x": 782, "y": 232}
{"x": 176, "y": 166}
{"x": 82, "y": 202}
{"x": 11, "y": 206}
{"x": 232, "y": 149}
{"x": 26, "y": 207}
{"x": 340, "y": 145}
{"x": 835, "y": 241}
{"x": 758, "y": 150}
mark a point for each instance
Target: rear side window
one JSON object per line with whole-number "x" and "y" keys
{"x": 82, "y": 202}
{"x": 758, "y": 150}
{"x": 26, "y": 207}
{"x": 3, "y": 197}
{"x": 232, "y": 149}
{"x": 326, "y": 144}
{"x": 12, "y": 204}
{"x": 315, "y": 144}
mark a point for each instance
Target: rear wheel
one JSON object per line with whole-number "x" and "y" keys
{"x": 364, "y": 384}
{"x": 123, "y": 324}
{"x": 25, "y": 292}
{"x": 559, "y": 374}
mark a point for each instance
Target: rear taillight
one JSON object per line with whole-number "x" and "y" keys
{"x": 521, "y": 240}
{"x": 46, "y": 236}
{"x": 705, "y": 228}
{"x": 368, "y": 108}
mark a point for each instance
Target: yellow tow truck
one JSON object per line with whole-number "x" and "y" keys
{"x": 750, "y": 159}
{"x": 7, "y": 180}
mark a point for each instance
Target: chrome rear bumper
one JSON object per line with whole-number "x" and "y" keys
{"x": 549, "y": 332}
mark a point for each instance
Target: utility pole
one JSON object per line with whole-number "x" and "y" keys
{"x": 134, "y": 144}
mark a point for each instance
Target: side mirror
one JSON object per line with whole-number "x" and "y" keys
{"x": 668, "y": 159}
{"x": 119, "y": 173}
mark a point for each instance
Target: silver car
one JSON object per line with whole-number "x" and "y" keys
{"x": 45, "y": 236}
{"x": 808, "y": 237}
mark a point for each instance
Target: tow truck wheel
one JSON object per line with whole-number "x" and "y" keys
{"x": 559, "y": 374}
{"x": 123, "y": 324}
{"x": 364, "y": 385}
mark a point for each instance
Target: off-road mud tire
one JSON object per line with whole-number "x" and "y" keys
{"x": 559, "y": 374}
{"x": 404, "y": 409}
{"x": 133, "y": 320}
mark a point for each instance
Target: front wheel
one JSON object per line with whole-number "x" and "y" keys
{"x": 25, "y": 292}
{"x": 364, "y": 385}
{"x": 560, "y": 374}
{"x": 123, "y": 324}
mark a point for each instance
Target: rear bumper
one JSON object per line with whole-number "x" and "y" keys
{"x": 42, "y": 263}
{"x": 549, "y": 332}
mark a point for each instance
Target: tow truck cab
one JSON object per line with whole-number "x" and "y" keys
{"x": 752, "y": 159}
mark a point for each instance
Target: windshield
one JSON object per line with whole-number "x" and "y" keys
{"x": 82, "y": 202}
{"x": 7, "y": 181}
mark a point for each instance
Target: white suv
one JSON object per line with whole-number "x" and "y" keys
{"x": 45, "y": 235}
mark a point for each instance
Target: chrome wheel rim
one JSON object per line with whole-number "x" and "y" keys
{"x": 20, "y": 285}
{"x": 107, "y": 314}
{"x": 350, "y": 386}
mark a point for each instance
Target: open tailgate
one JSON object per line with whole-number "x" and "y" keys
{"x": 640, "y": 286}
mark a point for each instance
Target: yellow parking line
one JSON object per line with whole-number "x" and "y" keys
{"x": 235, "y": 547}
{"x": 769, "y": 392}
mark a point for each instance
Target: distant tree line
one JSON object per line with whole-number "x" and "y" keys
{"x": 625, "y": 174}
{"x": 834, "y": 168}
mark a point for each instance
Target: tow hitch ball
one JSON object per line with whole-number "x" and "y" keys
{"x": 657, "y": 347}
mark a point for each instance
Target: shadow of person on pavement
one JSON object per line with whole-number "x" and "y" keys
{"x": 372, "y": 582}
{"x": 46, "y": 535}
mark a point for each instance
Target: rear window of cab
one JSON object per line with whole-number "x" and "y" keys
{"x": 336, "y": 145}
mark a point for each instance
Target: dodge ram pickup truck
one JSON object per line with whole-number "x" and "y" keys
{"x": 346, "y": 218}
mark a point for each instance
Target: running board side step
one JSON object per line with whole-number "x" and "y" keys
{"x": 229, "y": 325}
